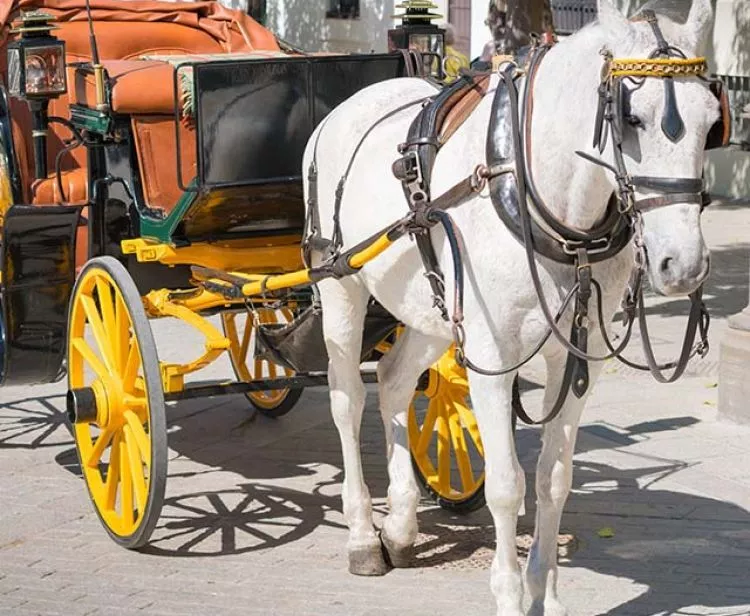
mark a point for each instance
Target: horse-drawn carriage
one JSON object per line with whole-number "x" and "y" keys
{"x": 166, "y": 183}
{"x": 154, "y": 175}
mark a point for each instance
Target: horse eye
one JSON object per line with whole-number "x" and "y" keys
{"x": 634, "y": 121}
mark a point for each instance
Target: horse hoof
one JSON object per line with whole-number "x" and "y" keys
{"x": 367, "y": 562}
{"x": 399, "y": 558}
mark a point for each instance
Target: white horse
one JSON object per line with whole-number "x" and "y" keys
{"x": 503, "y": 317}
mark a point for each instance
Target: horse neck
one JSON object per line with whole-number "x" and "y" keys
{"x": 565, "y": 105}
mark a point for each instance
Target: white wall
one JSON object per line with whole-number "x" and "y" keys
{"x": 304, "y": 23}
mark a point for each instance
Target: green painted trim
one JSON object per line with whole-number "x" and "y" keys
{"x": 161, "y": 229}
{"x": 91, "y": 120}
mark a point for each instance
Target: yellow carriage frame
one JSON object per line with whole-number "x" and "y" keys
{"x": 118, "y": 387}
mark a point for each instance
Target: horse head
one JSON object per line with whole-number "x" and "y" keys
{"x": 663, "y": 124}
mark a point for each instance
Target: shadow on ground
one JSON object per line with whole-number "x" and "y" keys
{"x": 686, "y": 550}
{"x": 33, "y": 423}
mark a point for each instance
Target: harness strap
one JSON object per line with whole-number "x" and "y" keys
{"x": 654, "y": 203}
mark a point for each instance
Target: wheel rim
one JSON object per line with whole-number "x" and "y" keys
{"x": 115, "y": 450}
{"x": 238, "y": 327}
{"x": 444, "y": 437}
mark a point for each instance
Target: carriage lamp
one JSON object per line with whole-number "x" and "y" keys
{"x": 36, "y": 61}
{"x": 418, "y": 33}
{"x": 36, "y": 73}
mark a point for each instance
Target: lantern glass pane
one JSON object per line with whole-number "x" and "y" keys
{"x": 45, "y": 70}
{"x": 14, "y": 72}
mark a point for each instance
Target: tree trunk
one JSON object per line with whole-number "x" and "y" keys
{"x": 513, "y": 21}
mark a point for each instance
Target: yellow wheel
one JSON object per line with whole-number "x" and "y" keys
{"x": 444, "y": 439}
{"x": 238, "y": 327}
{"x": 116, "y": 402}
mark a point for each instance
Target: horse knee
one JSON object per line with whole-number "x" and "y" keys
{"x": 403, "y": 498}
{"x": 555, "y": 484}
{"x": 505, "y": 492}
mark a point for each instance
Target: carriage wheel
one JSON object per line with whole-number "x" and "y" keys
{"x": 116, "y": 402}
{"x": 444, "y": 439}
{"x": 238, "y": 327}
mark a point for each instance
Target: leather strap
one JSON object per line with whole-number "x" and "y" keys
{"x": 655, "y": 203}
{"x": 691, "y": 185}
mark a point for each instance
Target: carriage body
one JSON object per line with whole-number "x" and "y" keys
{"x": 188, "y": 172}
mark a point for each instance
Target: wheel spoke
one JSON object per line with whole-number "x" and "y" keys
{"x": 459, "y": 446}
{"x": 130, "y": 373}
{"x": 470, "y": 423}
{"x": 136, "y": 469}
{"x": 126, "y": 488}
{"x": 104, "y": 438}
{"x": 121, "y": 333}
{"x": 106, "y": 304}
{"x": 425, "y": 434}
{"x": 242, "y": 357}
{"x": 90, "y": 357}
{"x": 139, "y": 435}
{"x": 113, "y": 473}
{"x": 100, "y": 334}
{"x": 443, "y": 453}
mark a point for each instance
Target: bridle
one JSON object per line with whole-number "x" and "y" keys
{"x": 624, "y": 216}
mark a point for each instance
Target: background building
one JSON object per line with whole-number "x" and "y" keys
{"x": 361, "y": 26}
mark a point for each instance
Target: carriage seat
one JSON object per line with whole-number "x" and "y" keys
{"x": 74, "y": 184}
{"x": 139, "y": 87}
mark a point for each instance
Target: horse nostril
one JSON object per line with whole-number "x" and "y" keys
{"x": 666, "y": 263}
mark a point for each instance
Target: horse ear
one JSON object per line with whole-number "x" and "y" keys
{"x": 612, "y": 19}
{"x": 700, "y": 21}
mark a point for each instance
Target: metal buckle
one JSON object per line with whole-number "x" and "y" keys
{"x": 571, "y": 247}
{"x": 414, "y": 180}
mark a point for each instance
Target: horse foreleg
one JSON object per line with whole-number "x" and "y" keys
{"x": 554, "y": 479}
{"x": 398, "y": 374}
{"x": 504, "y": 482}
{"x": 344, "y": 309}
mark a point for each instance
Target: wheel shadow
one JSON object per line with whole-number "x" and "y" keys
{"x": 237, "y": 521}
{"x": 34, "y": 423}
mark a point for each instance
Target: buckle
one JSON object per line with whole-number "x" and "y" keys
{"x": 408, "y": 169}
{"x": 594, "y": 247}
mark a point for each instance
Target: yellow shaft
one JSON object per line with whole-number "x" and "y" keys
{"x": 303, "y": 277}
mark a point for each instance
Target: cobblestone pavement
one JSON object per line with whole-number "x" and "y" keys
{"x": 252, "y": 521}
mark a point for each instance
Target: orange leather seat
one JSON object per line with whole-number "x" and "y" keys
{"x": 125, "y": 30}
{"x": 138, "y": 87}
{"x": 75, "y": 183}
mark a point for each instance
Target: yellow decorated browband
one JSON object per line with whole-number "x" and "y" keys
{"x": 656, "y": 67}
